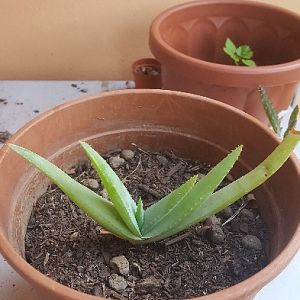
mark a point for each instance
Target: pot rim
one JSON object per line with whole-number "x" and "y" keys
{"x": 252, "y": 283}
{"x": 168, "y": 55}
{"x": 146, "y": 62}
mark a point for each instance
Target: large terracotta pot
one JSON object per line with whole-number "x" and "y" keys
{"x": 188, "y": 41}
{"x": 190, "y": 125}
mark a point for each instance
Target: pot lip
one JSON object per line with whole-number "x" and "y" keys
{"x": 210, "y": 66}
{"x": 147, "y": 62}
{"x": 250, "y": 284}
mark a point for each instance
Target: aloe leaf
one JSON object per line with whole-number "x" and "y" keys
{"x": 197, "y": 195}
{"x": 115, "y": 188}
{"x": 159, "y": 210}
{"x": 99, "y": 209}
{"x": 269, "y": 109}
{"x": 140, "y": 213}
{"x": 240, "y": 187}
{"x": 292, "y": 120}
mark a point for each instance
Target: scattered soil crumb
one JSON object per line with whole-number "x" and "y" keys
{"x": 4, "y": 136}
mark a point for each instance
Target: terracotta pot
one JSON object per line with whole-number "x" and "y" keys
{"x": 188, "y": 41}
{"x": 190, "y": 125}
{"x": 147, "y": 73}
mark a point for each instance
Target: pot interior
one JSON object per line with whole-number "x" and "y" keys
{"x": 190, "y": 126}
{"x": 187, "y": 146}
{"x": 199, "y": 30}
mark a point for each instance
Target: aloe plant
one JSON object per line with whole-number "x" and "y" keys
{"x": 241, "y": 55}
{"x": 192, "y": 202}
{"x": 272, "y": 114}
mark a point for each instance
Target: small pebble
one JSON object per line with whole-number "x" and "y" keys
{"x": 247, "y": 214}
{"x": 162, "y": 160}
{"x": 120, "y": 264}
{"x": 212, "y": 220}
{"x": 250, "y": 197}
{"x": 127, "y": 154}
{"x": 227, "y": 212}
{"x": 74, "y": 236}
{"x": 137, "y": 267}
{"x": 71, "y": 171}
{"x": 104, "y": 194}
{"x": 252, "y": 242}
{"x": 200, "y": 230}
{"x": 116, "y": 161}
{"x": 117, "y": 282}
{"x": 91, "y": 183}
{"x": 150, "y": 283}
{"x": 215, "y": 234}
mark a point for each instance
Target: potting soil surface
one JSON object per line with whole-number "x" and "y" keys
{"x": 67, "y": 246}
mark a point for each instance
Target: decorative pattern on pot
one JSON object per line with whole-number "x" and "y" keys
{"x": 188, "y": 40}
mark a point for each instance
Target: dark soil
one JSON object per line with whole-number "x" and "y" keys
{"x": 67, "y": 246}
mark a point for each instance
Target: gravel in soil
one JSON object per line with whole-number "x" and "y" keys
{"x": 64, "y": 244}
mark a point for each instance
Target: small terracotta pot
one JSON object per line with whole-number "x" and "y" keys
{"x": 147, "y": 73}
{"x": 188, "y": 41}
{"x": 190, "y": 125}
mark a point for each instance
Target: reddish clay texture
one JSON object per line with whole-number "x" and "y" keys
{"x": 192, "y": 126}
{"x": 188, "y": 41}
{"x": 147, "y": 80}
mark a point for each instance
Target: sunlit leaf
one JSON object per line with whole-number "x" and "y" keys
{"x": 240, "y": 187}
{"x": 99, "y": 209}
{"x": 181, "y": 210}
{"x": 115, "y": 188}
{"x": 292, "y": 120}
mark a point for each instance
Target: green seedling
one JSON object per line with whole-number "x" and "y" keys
{"x": 241, "y": 55}
{"x": 272, "y": 114}
{"x": 190, "y": 203}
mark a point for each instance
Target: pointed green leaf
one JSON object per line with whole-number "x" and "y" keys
{"x": 99, "y": 209}
{"x": 292, "y": 120}
{"x": 140, "y": 213}
{"x": 115, "y": 188}
{"x": 194, "y": 199}
{"x": 242, "y": 186}
{"x": 269, "y": 109}
{"x": 249, "y": 62}
{"x": 229, "y": 46}
{"x": 157, "y": 212}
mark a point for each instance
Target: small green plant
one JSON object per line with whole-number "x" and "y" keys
{"x": 192, "y": 202}
{"x": 241, "y": 55}
{"x": 272, "y": 114}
